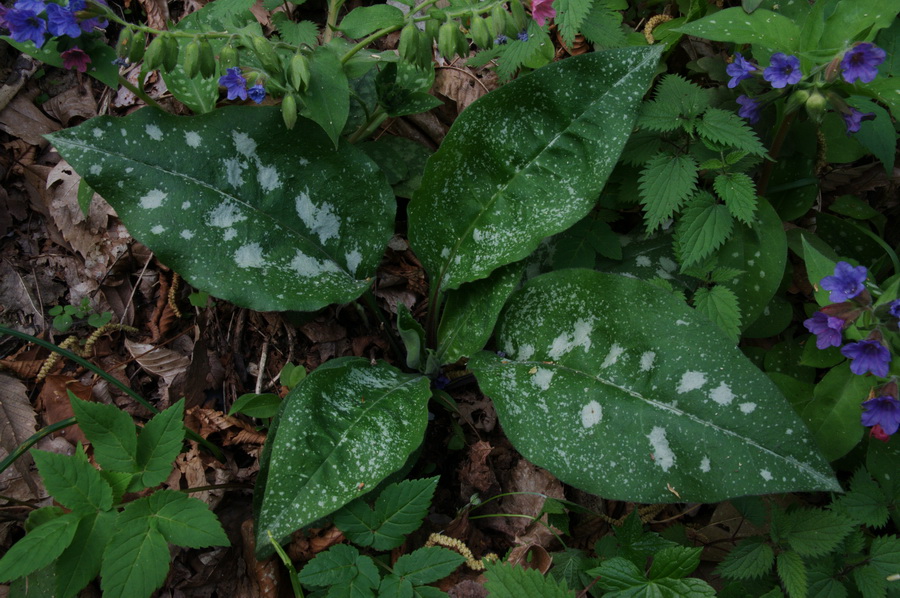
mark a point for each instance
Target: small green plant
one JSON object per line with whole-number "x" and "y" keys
{"x": 64, "y": 316}
{"x": 93, "y": 531}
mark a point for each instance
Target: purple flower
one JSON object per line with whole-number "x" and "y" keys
{"x": 739, "y": 70}
{"x": 854, "y": 118}
{"x": 76, "y": 58}
{"x": 749, "y": 108}
{"x": 861, "y": 62}
{"x": 868, "y": 356}
{"x": 257, "y": 93}
{"x": 61, "y": 20}
{"x": 783, "y": 70}
{"x": 882, "y": 411}
{"x": 826, "y": 328}
{"x": 234, "y": 83}
{"x": 523, "y": 36}
{"x": 89, "y": 25}
{"x": 541, "y": 10}
{"x": 846, "y": 283}
{"x": 894, "y": 308}
{"x": 25, "y": 24}
{"x": 501, "y": 39}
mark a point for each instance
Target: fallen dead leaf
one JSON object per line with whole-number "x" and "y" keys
{"x": 18, "y": 422}
{"x": 22, "y": 119}
{"x": 159, "y": 361}
{"x": 53, "y": 401}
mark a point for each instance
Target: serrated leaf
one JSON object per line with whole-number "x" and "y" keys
{"x": 720, "y": 305}
{"x": 814, "y": 532}
{"x": 508, "y": 581}
{"x": 870, "y": 582}
{"x": 865, "y": 502}
{"x": 666, "y": 182}
{"x": 884, "y": 554}
{"x": 399, "y": 511}
{"x": 394, "y": 586}
{"x": 334, "y": 566}
{"x": 792, "y": 573}
{"x": 73, "y": 482}
{"x": 471, "y": 311}
{"x": 135, "y": 561}
{"x": 750, "y": 559}
{"x": 702, "y": 228}
{"x": 676, "y": 103}
{"x": 738, "y": 192}
{"x": 728, "y": 129}
{"x": 364, "y": 20}
{"x": 764, "y": 27}
{"x": 618, "y": 573}
{"x": 723, "y": 275}
{"x": 570, "y": 14}
{"x": 603, "y": 26}
{"x": 341, "y": 431}
{"x": 675, "y": 562}
{"x": 185, "y": 521}
{"x": 159, "y": 443}
{"x": 428, "y": 564}
{"x": 237, "y": 206}
{"x": 510, "y": 176}
{"x": 80, "y": 561}
{"x": 298, "y": 33}
{"x": 326, "y": 99}
{"x": 593, "y": 392}
{"x": 110, "y": 431}
{"x": 511, "y": 56}
{"x": 38, "y": 548}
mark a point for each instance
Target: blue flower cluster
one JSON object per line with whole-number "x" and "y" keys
{"x": 847, "y": 289}
{"x": 36, "y": 20}
{"x": 235, "y": 85}
{"x": 859, "y": 63}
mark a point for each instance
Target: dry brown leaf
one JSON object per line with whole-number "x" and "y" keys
{"x": 18, "y": 302}
{"x": 18, "y": 422}
{"x": 22, "y": 119}
{"x": 73, "y": 106}
{"x": 266, "y": 574}
{"x": 159, "y": 361}
{"x": 462, "y": 85}
{"x": 531, "y": 556}
{"x": 157, "y": 13}
{"x": 53, "y": 401}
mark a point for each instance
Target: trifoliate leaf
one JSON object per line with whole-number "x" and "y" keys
{"x": 727, "y": 128}
{"x": 111, "y": 432}
{"x": 340, "y": 564}
{"x": 738, "y": 192}
{"x": 135, "y": 561}
{"x": 792, "y": 572}
{"x": 703, "y": 227}
{"x": 508, "y": 581}
{"x": 814, "y": 532}
{"x": 399, "y": 511}
{"x": 80, "y": 562}
{"x": 720, "y": 305}
{"x": 73, "y": 482}
{"x": 666, "y": 182}
{"x": 750, "y": 559}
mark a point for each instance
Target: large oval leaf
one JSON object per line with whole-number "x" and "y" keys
{"x": 241, "y": 207}
{"x": 620, "y": 389}
{"x": 342, "y": 430}
{"x": 524, "y": 162}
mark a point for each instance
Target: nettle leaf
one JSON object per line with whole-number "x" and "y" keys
{"x": 341, "y": 431}
{"x": 399, "y": 511}
{"x": 815, "y": 532}
{"x": 720, "y": 305}
{"x": 73, "y": 481}
{"x": 508, "y": 581}
{"x": 570, "y": 16}
{"x": 235, "y": 204}
{"x": 666, "y": 182}
{"x": 110, "y": 431}
{"x": 472, "y": 310}
{"x": 727, "y": 128}
{"x": 750, "y": 559}
{"x": 738, "y": 192}
{"x": 675, "y": 103}
{"x": 792, "y": 572}
{"x": 595, "y": 392}
{"x": 135, "y": 561}
{"x": 763, "y": 27}
{"x": 675, "y": 561}
{"x": 703, "y": 227}
{"x": 507, "y": 176}
{"x": 603, "y": 25}
{"x": 866, "y": 502}
{"x": 159, "y": 443}
{"x": 38, "y": 548}
{"x": 296, "y": 33}
{"x": 80, "y": 561}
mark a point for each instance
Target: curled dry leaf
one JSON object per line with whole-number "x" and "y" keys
{"x": 531, "y": 556}
{"x": 159, "y": 361}
{"x": 463, "y": 85}
{"x": 17, "y": 423}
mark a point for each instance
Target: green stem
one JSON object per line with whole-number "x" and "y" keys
{"x": 334, "y": 6}
{"x": 109, "y": 378}
{"x": 139, "y": 93}
{"x": 23, "y": 448}
{"x": 375, "y": 119}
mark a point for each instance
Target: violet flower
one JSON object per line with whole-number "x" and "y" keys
{"x": 826, "y": 328}
{"x": 854, "y": 119}
{"x": 846, "y": 283}
{"x": 61, "y": 20}
{"x": 76, "y": 58}
{"x": 750, "y": 108}
{"x": 868, "y": 356}
{"x": 257, "y": 93}
{"x": 739, "y": 70}
{"x": 783, "y": 70}
{"x": 541, "y": 10}
{"x": 894, "y": 308}
{"x": 882, "y": 411}
{"x": 25, "y": 25}
{"x": 861, "y": 62}
{"x": 234, "y": 83}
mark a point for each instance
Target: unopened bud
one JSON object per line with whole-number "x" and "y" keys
{"x": 123, "y": 46}
{"x": 481, "y": 33}
{"x": 289, "y": 110}
{"x": 266, "y": 54}
{"x": 432, "y": 27}
{"x": 518, "y": 15}
{"x": 498, "y": 19}
{"x": 191, "y": 62}
{"x": 228, "y": 57}
{"x": 299, "y": 73}
{"x": 447, "y": 39}
{"x": 816, "y": 105}
{"x": 409, "y": 43}
{"x": 153, "y": 57}
{"x": 138, "y": 43}
{"x": 207, "y": 59}
{"x": 170, "y": 53}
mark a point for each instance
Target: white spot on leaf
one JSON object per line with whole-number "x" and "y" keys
{"x": 153, "y": 199}
{"x": 612, "y": 357}
{"x": 647, "y": 360}
{"x": 154, "y": 132}
{"x": 691, "y": 381}
{"x": 722, "y": 394}
{"x": 662, "y": 454}
{"x": 192, "y": 139}
{"x": 249, "y": 256}
{"x": 591, "y": 414}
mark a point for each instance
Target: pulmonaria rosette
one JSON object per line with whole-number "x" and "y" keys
{"x": 861, "y": 62}
{"x": 750, "y": 108}
{"x": 846, "y": 283}
{"x": 783, "y": 70}
{"x": 854, "y": 118}
{"x": 234, "y": 83}
{"x": 868, "y": 356}
{"x": 76, "y": 58}
{"x": 542, "y": 10}
{"x": 827, "y": 329}
{"x": 883, "y": 411}
{"x": 739, "y": 70}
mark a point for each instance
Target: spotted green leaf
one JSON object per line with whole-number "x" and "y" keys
{"x": 620, "y": 389}
{"x": 341, "y": 431}
{"x": 524, "y": 162}
{"x": 240, "y": 206}
{"x": 764, "y": 27}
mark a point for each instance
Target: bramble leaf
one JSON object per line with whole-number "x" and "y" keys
{"x": 111, "y": 432}
{"x": 185, "y": 521}
{"x": 135, "y": 561}
{"x": 427, "y": 564}
{"x": 80, "y": 561}
{"x": 675, "y": 562}
{"x": 341, "y": 564}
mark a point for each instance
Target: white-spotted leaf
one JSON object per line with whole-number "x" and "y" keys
{"x": 341, "y": 431}
{"x": 240, "y": 206}
{"x": 620, "y": 389}
{"x": 524, "y": 162}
